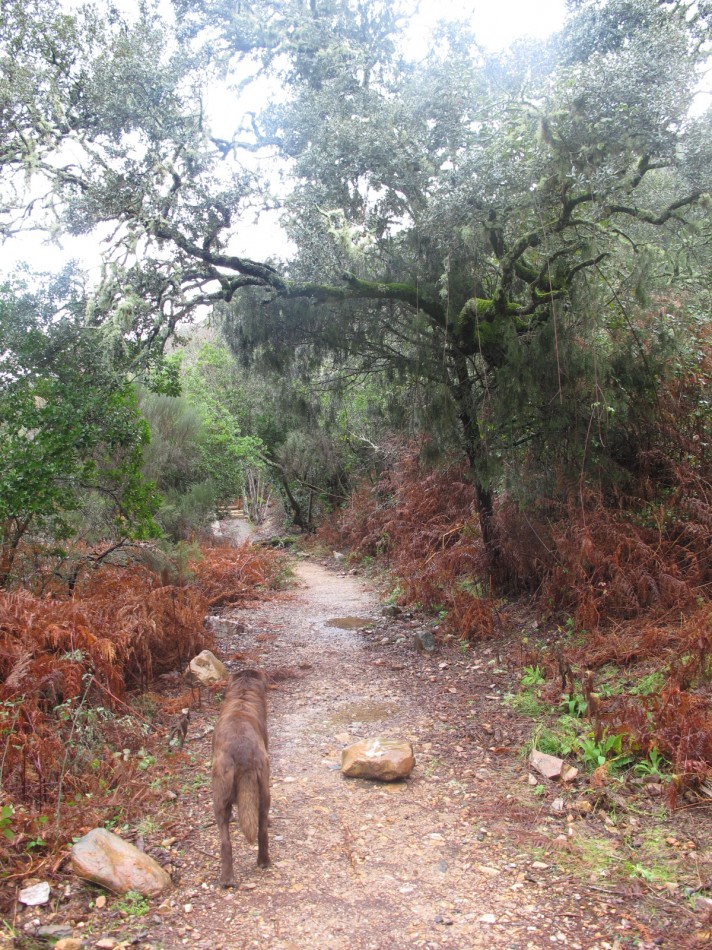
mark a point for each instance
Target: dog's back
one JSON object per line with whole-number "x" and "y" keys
{"x": 241, "y": 767}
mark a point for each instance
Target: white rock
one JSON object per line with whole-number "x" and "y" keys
{"x": 206, "y": 669}
{"x": 35, "y": 895}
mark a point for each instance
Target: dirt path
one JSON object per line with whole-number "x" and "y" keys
{"x": 442, "y": 860}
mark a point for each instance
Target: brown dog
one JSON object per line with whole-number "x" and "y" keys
{"x": 241, "y": 767}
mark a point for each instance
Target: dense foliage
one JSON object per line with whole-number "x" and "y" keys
{"x": 484, "y": 226}
{"x": 70, "y": 429}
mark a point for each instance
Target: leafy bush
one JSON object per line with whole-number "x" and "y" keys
{"x": 69, "y": 425}
{"x": 183, "y": 513}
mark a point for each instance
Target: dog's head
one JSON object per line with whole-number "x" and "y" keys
{"x": 247, "y": 678}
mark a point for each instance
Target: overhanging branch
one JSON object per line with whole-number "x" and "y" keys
{"x": 358, "y": 289}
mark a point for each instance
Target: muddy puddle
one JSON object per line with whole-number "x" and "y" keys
{"x": 350, "y": 623}
{"x": 361, "y": 712}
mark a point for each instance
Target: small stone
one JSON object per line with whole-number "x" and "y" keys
{"x": 106, "y": 943}
{"x": 35, "y": 895}
{"x": 187, "y": 908}
{"x": 540, "y": 865}
{"x": 68, "y": 943}
{"x": 551, "y": 766}
{"x": 532, "y": 779}
{"x": 568, "y": 773}
{"x": 487, "y": 919}
{"x": 558, "y": 806}
{"x": 703, "y": 905}
{"x": 100, "y": 901}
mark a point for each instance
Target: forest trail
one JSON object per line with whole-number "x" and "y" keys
{"x": 441, "y": 860}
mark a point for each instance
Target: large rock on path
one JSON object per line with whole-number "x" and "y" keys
{"x": 206, "y": 669}
{"x": 106, "y": 859}
{"x": 378, "y": 758}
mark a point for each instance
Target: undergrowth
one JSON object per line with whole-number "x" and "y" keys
{"x": 631, "y": 572}
{"x": 78, "y": 725}
{"x": 422, "y": 522}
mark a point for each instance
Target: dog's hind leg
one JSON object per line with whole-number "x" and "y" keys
{"x": 226, "y": 875}
{"x": 263, "y": 825}
{"x": 222, "y": 804}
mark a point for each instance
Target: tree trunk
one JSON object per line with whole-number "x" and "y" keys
{"x": 476, "y": 451}
{"x": 297, "y": 516}
{"x": 11, "y": 532}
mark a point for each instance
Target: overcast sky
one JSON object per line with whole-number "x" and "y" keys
{"x": 496, "y": 24}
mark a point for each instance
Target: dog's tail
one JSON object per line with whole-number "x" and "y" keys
{"x": 248, "y": 805}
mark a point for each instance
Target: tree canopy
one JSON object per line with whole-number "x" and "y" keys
{"x": 482, "y": 224}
